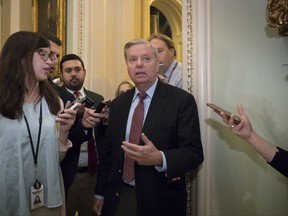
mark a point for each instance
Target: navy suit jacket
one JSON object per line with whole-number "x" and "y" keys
{"x": 172, "y": 124}
{"x": 77, "y": 136}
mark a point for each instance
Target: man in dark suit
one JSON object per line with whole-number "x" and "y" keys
{"x": 170, "y": 144}
{"x": 79, "y": 179}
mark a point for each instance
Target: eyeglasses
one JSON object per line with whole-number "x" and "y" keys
{"x": 44, "y": 54}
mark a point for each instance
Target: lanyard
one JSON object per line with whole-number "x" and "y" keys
{"x": 35, "y": 154}
{"x": 172, "y": 71}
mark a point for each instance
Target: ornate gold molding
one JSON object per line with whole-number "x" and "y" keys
{"x": 277, "y": 15}
{"x": 190, "y": 62}
{"x": 80, "y": 27}
{"x": 190, "y": 176}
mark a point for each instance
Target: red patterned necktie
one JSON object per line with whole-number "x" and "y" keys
{"x": 92, "y": 156}
{"x": 134, "y": 137}
{"x": 77, "y": 94}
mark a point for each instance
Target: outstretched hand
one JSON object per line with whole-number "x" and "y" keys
{"x": 244, "y": 128}
{"x": 147, "y": 154}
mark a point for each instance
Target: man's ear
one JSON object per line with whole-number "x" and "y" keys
{"x": 172, "y": 51}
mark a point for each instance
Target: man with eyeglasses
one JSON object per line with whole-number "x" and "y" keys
{"x": 55, "y": 44}
{"x": 80, "y": 132}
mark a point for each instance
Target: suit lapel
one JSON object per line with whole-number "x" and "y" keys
{"x": 158, "y": 103}
{"x": 123, "y": 108}
{"x": 65, "y": 95}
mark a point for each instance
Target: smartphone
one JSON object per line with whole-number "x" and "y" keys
{"x": 218, "y": 109}
{"x": 76, "y": 102}
{"x": 82, "y": 100}
{"x": 88, "y": 102}
{"x": 102, "y": 104}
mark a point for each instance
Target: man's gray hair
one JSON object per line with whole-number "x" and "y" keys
{"x": 137, "y": 42}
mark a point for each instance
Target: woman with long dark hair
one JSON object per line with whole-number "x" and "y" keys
{"x": 34, "y": 130}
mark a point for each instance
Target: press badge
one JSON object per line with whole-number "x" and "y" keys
{"x": 37, "y": 195}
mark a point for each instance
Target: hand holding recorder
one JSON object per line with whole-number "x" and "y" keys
{"x": 96, "y": 115}
{"x": 228, "y": 114}
{"x": 102, "y": 104}
{"x": 240, "y": 126}
{"x": 81, "y": 100}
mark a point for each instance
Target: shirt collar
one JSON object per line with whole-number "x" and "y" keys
{"x": 149, "y": 92}
{"x": 170, "y": 68}
{"x": 81, "y": 91}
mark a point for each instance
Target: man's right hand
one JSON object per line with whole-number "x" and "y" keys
{"x": 90, "y": 118}
{"x": 97, "y": 206}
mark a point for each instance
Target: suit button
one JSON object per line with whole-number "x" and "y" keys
{"x": 120, "y": 171}
{"x": 176, "y": 179}
{"x": 117, "y": 194}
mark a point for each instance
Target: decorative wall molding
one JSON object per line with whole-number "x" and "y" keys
{"x": 188, "y": 80}
{"x": 81, "y": 19}
{"x": 196, "y": 80}
{"x": 277, "y": 16}
{"x": 189, "y": 56}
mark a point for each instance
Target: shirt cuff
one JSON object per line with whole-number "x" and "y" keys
{"x": 96, "y": 196}
{"x": 162, "y": 168}
{"x": 64, "y": 148}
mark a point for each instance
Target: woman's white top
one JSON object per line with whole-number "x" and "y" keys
{"x": 18, "y": 172}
